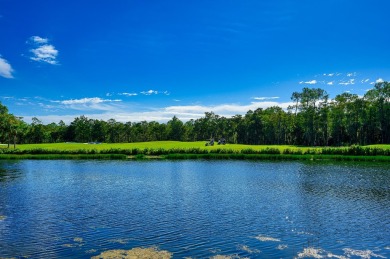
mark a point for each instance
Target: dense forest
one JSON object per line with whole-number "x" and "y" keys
{"x": 313, "y": 120}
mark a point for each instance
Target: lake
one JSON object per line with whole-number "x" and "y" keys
{"x": 197, "y": 209}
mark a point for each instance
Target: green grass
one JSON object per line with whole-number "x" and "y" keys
{"x": 381, "y": 146}
{"x": 63, "y": 156}
{"x": 191, "y": 150}
{"x": 151, "y": 145}
{"x": 211, "y": 156}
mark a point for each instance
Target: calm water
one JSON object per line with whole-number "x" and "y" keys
{"x": 78, "y": 209}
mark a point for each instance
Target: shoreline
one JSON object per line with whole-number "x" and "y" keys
{"x": 193, "y": 156}
{"x": 194, "y": 151}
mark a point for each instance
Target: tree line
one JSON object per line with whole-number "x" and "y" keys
{"x": 313, "y": 120}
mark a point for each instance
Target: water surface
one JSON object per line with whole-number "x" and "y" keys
{"x": 78, "y": 209}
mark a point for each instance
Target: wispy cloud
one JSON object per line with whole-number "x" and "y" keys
{"x": 330, "y": 83}
{"x": 5, "y": 68}
{"x": 39, "y": 40}
{"x": 153, "y": 92}
{"x": 349, "y": 82}
{"x": 96, "y": 110}
{"x": 128, "y": 94}
{"x": 312, "y": 82}
{"x": 330, "y": 74}
{"x": 88, "y": 104}
{"x": 351, "y": 74}
{"x": 227, "y": 110}
{"x": 150, "y": 92}
{"x": 265, "y": 98}
{"x": 42, "y": 51}
{"x": 92, "y": 100}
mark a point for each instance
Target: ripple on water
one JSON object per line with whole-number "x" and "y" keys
{"x": 248, "y": 249}
{"x": 121, "y": 241}
{"x": 282, "y": 247}
{"x": 77, "y": 242}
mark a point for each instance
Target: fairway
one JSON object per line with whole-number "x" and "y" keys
{"x": 163, "y": 145}
{"x": 150, "y": 145}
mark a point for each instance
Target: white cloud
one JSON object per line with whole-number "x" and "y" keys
{"x": 330, "y": 83}
{"x": 365, "y": 80}
{"x": 89, "y": 104}
{"x": 42, "y": 51}
{"x": 349, "y": 82}
{"x": 45, "y": 53}
{"x": 128, "y": 94}
{"x": 39, "y": 40}
{"x": 351, "y": 74}
{"x": 331, "y": 74}
{"x": 150, "y": 92}
{"x": 93, "y": 100}
{"x": 312, "y": 82}
{"x": 379, "y": 80}
{"x": 163, "y": 114}
{"x": 265, "y": 98}
{"x": 5, "y": 68}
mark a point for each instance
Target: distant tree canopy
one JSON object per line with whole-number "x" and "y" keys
{"x": 313, "y": 120}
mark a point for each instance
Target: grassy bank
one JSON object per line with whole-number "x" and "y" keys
{"x": 211, "y": 156}
{"x": 63, "y": 156}
{"x": 193, "y": 150}
{"x": 208, "y": 156}
{"x": 166, "y": 145}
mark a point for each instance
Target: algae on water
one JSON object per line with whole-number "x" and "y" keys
{"x": 248, "y": 249}
{"x": 78, "y": 239}
{"x": 227, "y": 257}
{"x": 267, "y": 239}
{"x": 135, "y": 253}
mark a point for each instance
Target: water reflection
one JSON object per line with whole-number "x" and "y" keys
{"x": 351, "y": 193}
{"x": 9, "y": 171}
{"x": 194, "y": 209}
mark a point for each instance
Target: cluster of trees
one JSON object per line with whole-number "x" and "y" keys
{"x": 10, "y": 126}
{"x": 313, "y": 120}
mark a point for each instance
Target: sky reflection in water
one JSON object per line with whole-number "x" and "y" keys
{"x": 196, "y": 209}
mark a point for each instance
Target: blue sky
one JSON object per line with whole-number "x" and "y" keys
{"x": 151, "y": 60}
